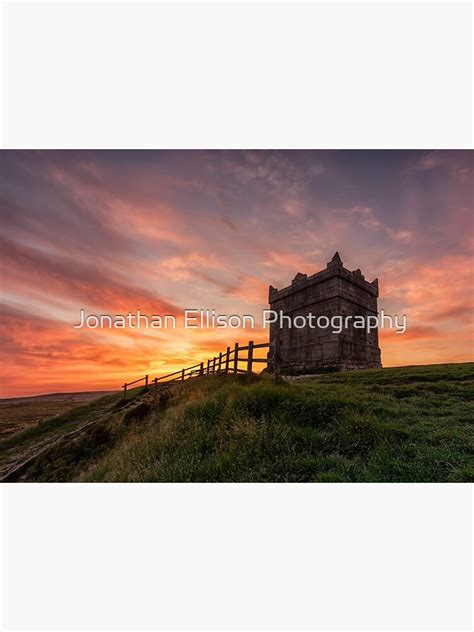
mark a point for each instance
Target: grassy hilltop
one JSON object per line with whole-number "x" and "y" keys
{"x": 402, "y": 424}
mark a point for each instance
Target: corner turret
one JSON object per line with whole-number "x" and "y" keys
{"x": 335, "y": 261}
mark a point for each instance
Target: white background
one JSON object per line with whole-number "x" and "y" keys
{"x": 260, "y": 556}
{"x": 236, "y": 75}
{"x": 253, "y": 74}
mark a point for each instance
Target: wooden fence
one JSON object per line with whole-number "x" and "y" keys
{"x": 225, "y": 362}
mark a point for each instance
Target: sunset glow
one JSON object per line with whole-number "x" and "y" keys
{"x": 162, "y": 231}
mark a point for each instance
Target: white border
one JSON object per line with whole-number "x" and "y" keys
{"x": 236, "y": 556}
{"x": 237, "y": 75}
{"x": 451, "y": 130}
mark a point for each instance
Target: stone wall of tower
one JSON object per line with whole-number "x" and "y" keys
{"x": 334, "y": 291}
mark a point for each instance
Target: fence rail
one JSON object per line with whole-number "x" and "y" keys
{"x": 225, "y": 362}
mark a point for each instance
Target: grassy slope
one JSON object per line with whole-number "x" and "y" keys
{"x": 403, "y": 424}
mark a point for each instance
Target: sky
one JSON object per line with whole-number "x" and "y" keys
{"x": 164, "y": 231}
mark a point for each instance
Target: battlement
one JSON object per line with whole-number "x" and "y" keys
{"x": 334, "y": 268}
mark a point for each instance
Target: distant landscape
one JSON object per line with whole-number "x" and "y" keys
{"x": 406, "y": 424}
{"x": 18, "y": 413}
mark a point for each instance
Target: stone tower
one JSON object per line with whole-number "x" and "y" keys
{"x": 334, "y": 291}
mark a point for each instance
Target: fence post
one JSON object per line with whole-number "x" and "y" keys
{"x": 124, "y": 390}
{"x": 227, "y": 359}
{"x": 182, "y": 375}
{"x": 250, "y": 357}
{"x": 220, "y": 362}
{"x": 209, "y": 366}
{"x": 155, "y": 382}
{"x": 236, "y": 357}
{"x": 214, "y": 365}
{"x": 201, "y": 369}
{"x": 146, "y": 381}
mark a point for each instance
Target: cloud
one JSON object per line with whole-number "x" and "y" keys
{"x": 250, "y": 290}
{"x": 412, "y": 333}
{"x": 28, "y": 271}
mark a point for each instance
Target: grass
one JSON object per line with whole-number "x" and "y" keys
{"x": 406, "y": 424}
{"x": 409, "y": 424}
